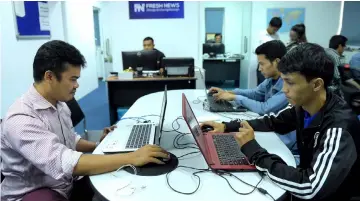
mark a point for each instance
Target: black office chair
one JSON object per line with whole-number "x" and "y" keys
{"x": 77, "y": 115}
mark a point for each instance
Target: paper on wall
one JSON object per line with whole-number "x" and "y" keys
{"x": 19, "y": 7}
{"x": 44, "y": 16}
{"x": 44, "y": 23}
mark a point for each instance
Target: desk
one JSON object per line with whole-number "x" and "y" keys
{"x": 212, "y": 186}
{"x": 124, "y": 92}
{"x": 218, "y": 69}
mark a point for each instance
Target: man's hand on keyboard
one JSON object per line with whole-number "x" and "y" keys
{"x": 227, "y": 96}
{"x": 217, "y": 127}
{"x": 245, "y": 134}
{"x": 148, "y": 154}
{"x": 106, "y": 131}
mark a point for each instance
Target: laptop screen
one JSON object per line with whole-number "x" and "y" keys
{"x": 163, "y": 108}
{"x": 194, "y": 127}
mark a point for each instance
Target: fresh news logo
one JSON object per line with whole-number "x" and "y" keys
{"x": 142, "y": 7}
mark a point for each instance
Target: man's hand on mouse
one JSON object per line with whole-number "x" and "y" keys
{"x": 148, "y": 154}
{"x": 218, "y": 127}
{"x": 224, "y": 96}
{"x": 245, "y": 134}
{"x": 216, "y": 89}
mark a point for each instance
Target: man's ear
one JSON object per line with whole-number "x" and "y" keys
{"x": 318, "y": 84}
{"x": 276, "y": 61}
{"x": 49, "y": 76}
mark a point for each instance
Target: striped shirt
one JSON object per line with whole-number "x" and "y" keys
{"x": 337, "y": 60}
{"x": 38, "y": 147}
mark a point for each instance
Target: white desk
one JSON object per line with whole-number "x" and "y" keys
{"x": 212, "y": 187}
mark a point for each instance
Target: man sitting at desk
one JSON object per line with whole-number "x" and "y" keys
{"x": 218, "y": 38}
{"x": 327, "y": 132}
{"x": 148, "y": 44}
{"x": 42, "y": 157}
{"x": 267, "y": 97}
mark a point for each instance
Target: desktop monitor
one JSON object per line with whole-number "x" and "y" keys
{"x": 213, "y": 49}
{"x": 147, "y": 59}
{"x": 210, "y": 36}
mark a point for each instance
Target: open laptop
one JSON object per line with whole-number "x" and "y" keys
{"x": 221, "y": 105}
{"x": 140, "y": 134}
{"x": 221, "y": 151}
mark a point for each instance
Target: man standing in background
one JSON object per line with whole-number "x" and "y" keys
{"x": 267, "y": 35}
{"x": 148, "y": 44}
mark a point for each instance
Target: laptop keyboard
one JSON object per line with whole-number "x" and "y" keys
{"x": 228, "y": 150}
{"x": 139, "y": 136}
{"x": 221, "y": 105}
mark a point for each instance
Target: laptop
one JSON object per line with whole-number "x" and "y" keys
{"x": 221, "y": 105}
{"x": 140, "y": 134}
{"x": 221, "y": 151}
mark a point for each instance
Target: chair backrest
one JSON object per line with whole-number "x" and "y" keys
{"x": 77, "y": 115}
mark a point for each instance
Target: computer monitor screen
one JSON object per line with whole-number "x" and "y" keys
{"x": 213, "y": 48}
{"x": 147, "y": 59}
{"x": 210, "y": 37}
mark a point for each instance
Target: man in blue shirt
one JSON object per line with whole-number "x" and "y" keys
{"x": 267, "y": 97}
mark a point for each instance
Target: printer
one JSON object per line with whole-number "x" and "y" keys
{"x": 178, "y": 66}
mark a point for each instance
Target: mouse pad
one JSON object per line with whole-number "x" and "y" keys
{"x": 153, "y": 169}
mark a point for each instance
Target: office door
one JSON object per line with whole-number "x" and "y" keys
{"x": 246, "y": 44}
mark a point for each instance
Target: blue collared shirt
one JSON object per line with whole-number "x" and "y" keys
{"x": 264, "y": 99}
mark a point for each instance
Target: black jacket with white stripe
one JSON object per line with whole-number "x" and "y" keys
{"x": 329, "y": 152}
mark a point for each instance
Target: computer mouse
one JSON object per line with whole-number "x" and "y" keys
{"x": 206, "y": 128}
{"x": 163, "y": 159}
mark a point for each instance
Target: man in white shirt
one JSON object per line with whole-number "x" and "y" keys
{"x": 267, "y": 35}
{"x": 271, "y": 32}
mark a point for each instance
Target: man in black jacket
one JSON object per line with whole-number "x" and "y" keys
{"x": 327, "y": 132}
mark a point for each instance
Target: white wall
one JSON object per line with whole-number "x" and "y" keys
{"x": 69, "y": 21}
{"x": 174, "y": 37}
{"x": 17, "y": 55}
{"x": 232, "y": 23}
{"x": 79, "y": 31}
{"x": 321, "y": 21}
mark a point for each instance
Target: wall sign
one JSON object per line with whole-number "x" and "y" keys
{"x": 156, "y": 9}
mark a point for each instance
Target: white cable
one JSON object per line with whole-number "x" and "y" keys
{"x": 131, "y": 189}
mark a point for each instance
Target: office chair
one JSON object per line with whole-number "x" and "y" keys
{"x": 77, "y": 115}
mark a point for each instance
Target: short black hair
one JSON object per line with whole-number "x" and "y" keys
{"x": 218, "y": 34}
{"x": 272, "y": 50}
{"x": 310, "y": 60}
{"x": 300, "y": 30}
{"x": 55, "y": 56}
{"x": 276, "y": 22}
{"x": 337, "y": 40}
{"x": 149, "y": 38}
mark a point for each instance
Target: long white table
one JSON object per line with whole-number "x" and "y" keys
{"x": 212, "y": 187}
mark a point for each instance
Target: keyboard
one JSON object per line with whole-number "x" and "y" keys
{"x": 228, "y": 150}
{"x": 139, "y": 136}
{"x": 222, "y": 106}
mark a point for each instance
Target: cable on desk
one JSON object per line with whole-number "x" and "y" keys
{"x": 261, "y": 190}
{"x": 193, "y": 152}
{"x": 180, "y": 135}
{"x": 194, "y": 174}
{"x": 198, "y": 101}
